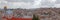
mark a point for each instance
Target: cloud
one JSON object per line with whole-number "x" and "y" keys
{"x": 20, "y": 0}
{"x": 57, "y": 5}
{"x": 0, "y": 1}
{"x": 57, "y": 1}
{"x": 19, "y": 4}
{"x": 15, "y": 4}
{"x": 29, "y": 3}
{"x": 37, "y": 2}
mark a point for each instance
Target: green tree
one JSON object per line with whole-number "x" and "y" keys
{"x": 35, "y": 17}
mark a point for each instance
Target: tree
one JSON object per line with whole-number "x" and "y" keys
{"x": 35, "y": 17}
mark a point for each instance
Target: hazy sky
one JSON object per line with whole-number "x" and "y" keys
{"x": 29, "y": 4}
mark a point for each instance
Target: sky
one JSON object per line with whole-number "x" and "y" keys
{"x": 29, "y": 4}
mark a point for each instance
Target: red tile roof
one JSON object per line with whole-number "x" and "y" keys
{"x": 19, "y": 18}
